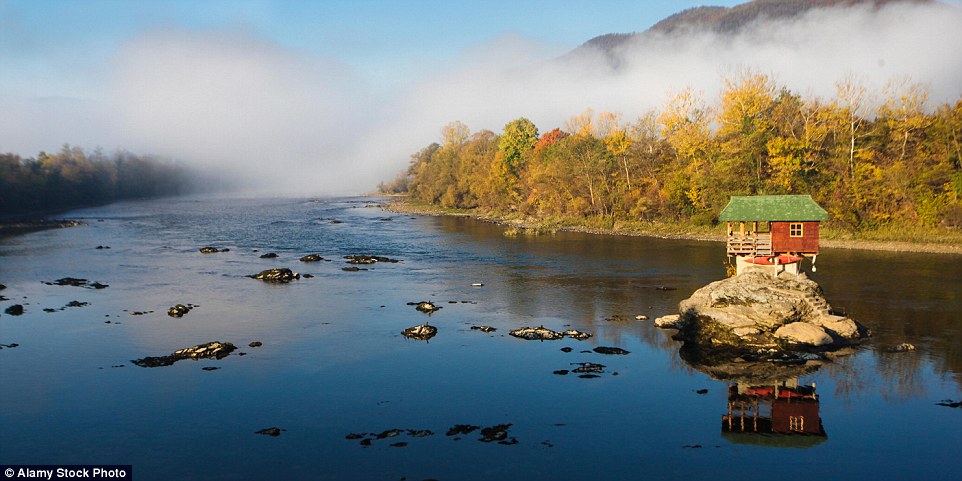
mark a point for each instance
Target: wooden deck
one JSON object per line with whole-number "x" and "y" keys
{"x": 759, "y": 244}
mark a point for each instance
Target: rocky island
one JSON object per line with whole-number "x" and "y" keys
{"x": 769, "y": 309}
{"x": 758, "y": 316}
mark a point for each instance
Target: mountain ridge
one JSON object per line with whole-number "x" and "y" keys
{"x": 728, "y": 20}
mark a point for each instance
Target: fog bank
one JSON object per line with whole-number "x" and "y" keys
{"x": 292, "y": 122}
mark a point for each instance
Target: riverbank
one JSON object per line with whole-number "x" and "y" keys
{"x": 529, "y": 226}
{"x": 20, "y": 227}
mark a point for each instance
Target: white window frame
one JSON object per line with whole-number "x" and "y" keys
{"x": 794, "y": 227}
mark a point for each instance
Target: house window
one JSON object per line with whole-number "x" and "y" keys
{"x": 795, "y": 229}
{"x": 796, "y": 423}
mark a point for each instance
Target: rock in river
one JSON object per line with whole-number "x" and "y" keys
{"x": 366, "y": 259}
{"x": 539, "y": 333}
{"x": 14, "y": 310}
{"x": 757, "y": 310}
{"x": 179, "y": 310}
{"x": 277, "y": 275}
{"x": 422, "y": 332}
{"x": 427, "y": 307}
{"x": 210, "y": 350}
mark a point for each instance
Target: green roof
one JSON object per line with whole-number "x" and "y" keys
{"x": 783, "y": 208}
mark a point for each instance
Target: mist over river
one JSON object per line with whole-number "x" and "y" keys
{"x": 355, "y": 399}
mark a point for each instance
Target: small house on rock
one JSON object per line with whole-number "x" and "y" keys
{"x": 772, "y": 230}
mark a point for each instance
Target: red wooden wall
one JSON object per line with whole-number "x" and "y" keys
{"x": 783, "y": 242}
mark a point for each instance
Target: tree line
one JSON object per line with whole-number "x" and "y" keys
{"x": 75, "y": 178}
{"x": 869, "y": 160}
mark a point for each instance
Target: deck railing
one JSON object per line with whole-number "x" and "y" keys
{"x": 759, "y": 244}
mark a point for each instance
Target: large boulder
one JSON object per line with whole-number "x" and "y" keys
{"x": 757, "y": 310}
{"x": 803, "y": 333}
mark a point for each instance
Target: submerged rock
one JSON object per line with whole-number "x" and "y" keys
{"x": 209, "y": 250}
{"x": 483, "y": 328}
{"x": 269, "y": 255}
{"x": 210, "y": 350}
{"x": 422, "y": 332}
{"x": 312, "y": 258}
{"x": 277, "y": 275}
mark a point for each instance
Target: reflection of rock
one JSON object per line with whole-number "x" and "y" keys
{"x": 904, "y": 347}
{"x": 420, "y": 333}
{"x": 210, "y": 350}
{"x": 277, "y": 275}
{"x": 761, "y": 365}
{"x": 610, "y": 350}
{"x": 755, "y": 310}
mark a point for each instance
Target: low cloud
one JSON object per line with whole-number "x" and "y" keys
{"x": 292, "y": 122}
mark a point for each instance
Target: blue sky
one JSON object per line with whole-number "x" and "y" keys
{"x": 333, "y": 96}
{"x": 42, "y": 42}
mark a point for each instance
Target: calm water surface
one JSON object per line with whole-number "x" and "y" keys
{"x": 334, "y": 362}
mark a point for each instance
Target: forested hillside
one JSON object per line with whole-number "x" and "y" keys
{"x": 73, "y": 178}
{"x": 897, "y": 163}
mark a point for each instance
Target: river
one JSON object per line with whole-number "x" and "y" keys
{"x": 335, "y": 374}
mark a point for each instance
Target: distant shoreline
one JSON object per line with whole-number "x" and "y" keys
{"x": 20, "y": 227}
{"x": 401, "y": 204}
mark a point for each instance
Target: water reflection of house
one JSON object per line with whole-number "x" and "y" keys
{"x": 780, "y": 414}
